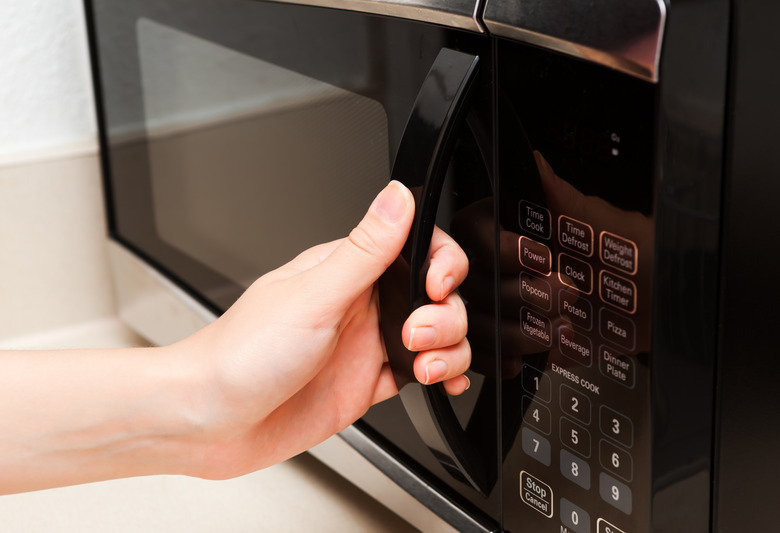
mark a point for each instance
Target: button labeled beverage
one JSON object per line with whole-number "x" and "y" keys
{"x": 575, "y": 346}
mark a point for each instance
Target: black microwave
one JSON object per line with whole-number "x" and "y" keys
{"x": 607, "y": 166}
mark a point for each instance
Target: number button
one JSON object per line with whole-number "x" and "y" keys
{"x": 575, "y": 469}
{"x": 536, "y": 446}
{"x": 615, "y": 460}
{"x": 537, "y": 415}
{"x": 616, "y": 426}
{"x": 574, "y": 518}
{"x": 575, "y": 404}
{"x": 575, "y": 437}
{"x": 615, "y": 493}
{"x": 536, "y": 383}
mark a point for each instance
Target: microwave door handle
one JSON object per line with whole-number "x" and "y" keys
{"x": 421, "y": 163}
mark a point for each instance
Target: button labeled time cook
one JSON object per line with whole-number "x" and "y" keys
{"x": 535, "y": 219}
{"x": 535, "y": 255}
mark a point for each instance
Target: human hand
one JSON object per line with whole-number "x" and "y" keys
{"x": 300, "y": 355}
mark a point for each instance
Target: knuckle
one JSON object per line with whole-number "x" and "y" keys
{"x": 364, "y": 242}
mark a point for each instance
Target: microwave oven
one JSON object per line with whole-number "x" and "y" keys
{"x": 609, "y": 169}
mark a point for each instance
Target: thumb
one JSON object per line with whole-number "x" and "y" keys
{"x": 372, "y": 246}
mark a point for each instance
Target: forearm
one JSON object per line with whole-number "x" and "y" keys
{"x": 78, "y": 416}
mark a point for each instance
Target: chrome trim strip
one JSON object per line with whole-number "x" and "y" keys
{"x": 409, "y": 481}
{"x": 625, "y": 35}
{"x": 460, "y": 14}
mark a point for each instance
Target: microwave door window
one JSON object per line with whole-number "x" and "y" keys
{"x": 251, "y": 163}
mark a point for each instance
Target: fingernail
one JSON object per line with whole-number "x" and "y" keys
{"x": 544, "y": 167}
{"x": 435, "y": 371}
{"x": 468, "y": 382}
{"x": 391, "y": 202}
{"x": 420, "y": 338}
{"x": 446, "y": 287}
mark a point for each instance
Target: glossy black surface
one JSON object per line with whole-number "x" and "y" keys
{"x": 747, "y": 465}
{"x": 576, "y": 183}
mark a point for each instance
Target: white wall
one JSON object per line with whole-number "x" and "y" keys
{"x": 53, "y": 260}
{"x": 46, "y": 102}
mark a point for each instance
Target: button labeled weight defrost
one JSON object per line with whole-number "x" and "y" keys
{"x": 618, "y": 252}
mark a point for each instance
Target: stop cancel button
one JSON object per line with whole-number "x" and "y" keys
{"x": 536, "y": 493}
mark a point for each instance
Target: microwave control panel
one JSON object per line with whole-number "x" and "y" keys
{"x": 576, "y": 212}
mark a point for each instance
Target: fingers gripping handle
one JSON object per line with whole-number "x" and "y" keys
{"x": 423, "y": 156}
